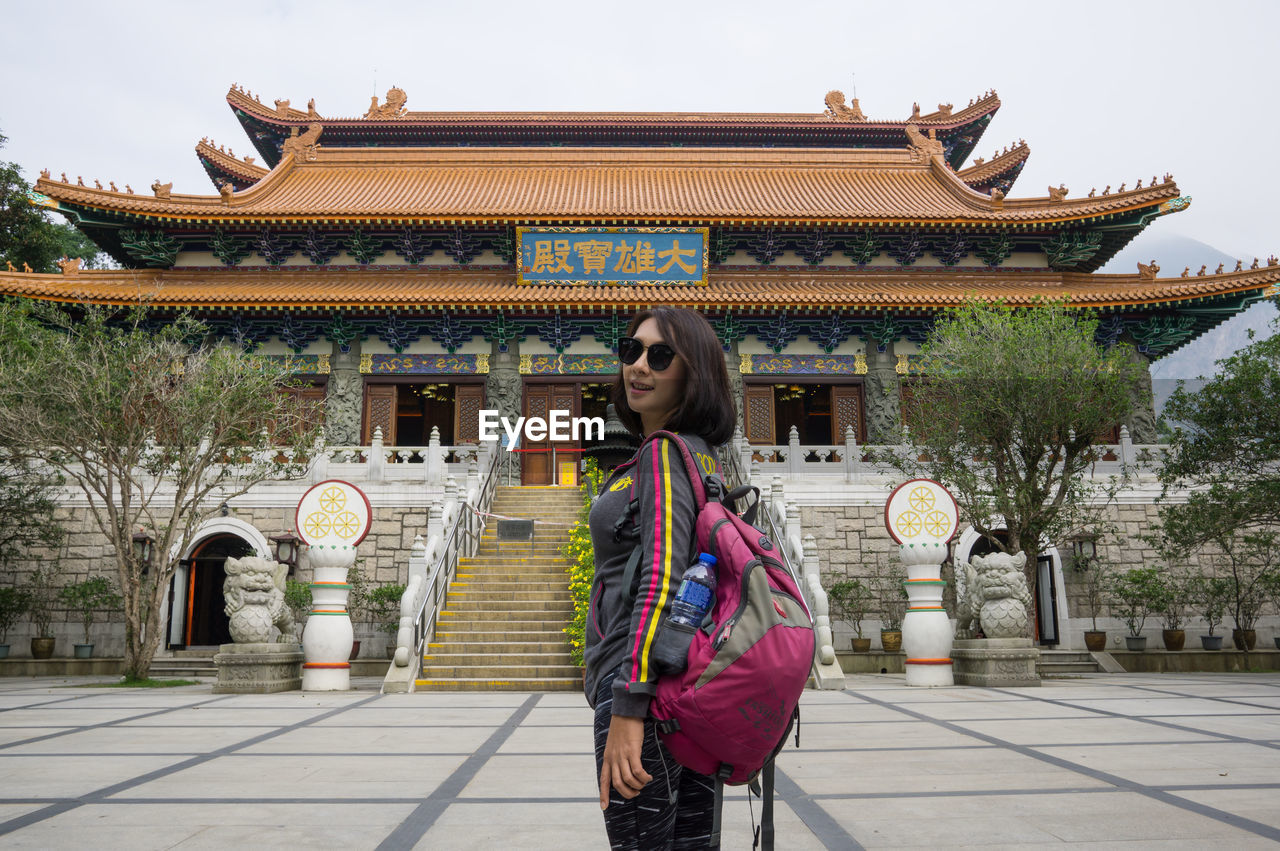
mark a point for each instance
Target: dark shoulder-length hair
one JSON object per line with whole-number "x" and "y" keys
{"x": 707, "y": 409}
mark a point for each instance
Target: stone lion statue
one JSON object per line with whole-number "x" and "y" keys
{"x": 992, "y": 594}
{"x": 254, "y": 594}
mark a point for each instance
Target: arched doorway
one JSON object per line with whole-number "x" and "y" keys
{"x": 1047, "y": 596}
{"x": 204, "y": 622}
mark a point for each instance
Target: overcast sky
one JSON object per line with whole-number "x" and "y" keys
{"x": 1104, "y": 92}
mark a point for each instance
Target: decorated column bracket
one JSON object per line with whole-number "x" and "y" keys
{"x": 333, "y": 518}
{"x": 922, "y": 516}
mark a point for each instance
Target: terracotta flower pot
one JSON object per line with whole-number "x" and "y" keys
{"x": 42, "y": 648}
{"x": 860, "y": 645}
{"x": 1095, "y": 640}
{"x": 1244, "y": 639}
{"x": 891, "y": 640}
{"x": 1174, "y": 639}
{"x": 355, "y": 650}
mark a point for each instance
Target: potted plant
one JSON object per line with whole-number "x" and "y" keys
{"x": 1212, "y": 594}
{"x": 1094, "y": 572}
{"x": 87, "y": 598}
{"x": 848, "y": 600}
{"x": 41, "y": 593}
{"x": 1176, "y": 590}
{"x": 893, "y": 604}
{"x": 13, "y": 605}
{"x": 384, "y": 608}
{"x": 1136, "y": 594}
{"x": 297, "y": 596}
{"x": 357, "y": 600}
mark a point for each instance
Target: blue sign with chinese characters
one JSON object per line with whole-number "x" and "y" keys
{"x": 613, "y": 255}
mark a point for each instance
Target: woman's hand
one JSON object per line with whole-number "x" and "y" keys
{"x": 621, "y": 767}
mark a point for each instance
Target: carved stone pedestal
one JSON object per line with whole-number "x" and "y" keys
{"x": 995, "y": 662}
{"x": 258, "y": 668}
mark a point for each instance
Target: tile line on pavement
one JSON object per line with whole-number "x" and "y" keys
{"x": 1154, "y": 793}
{"x": 425, "y": 815}
{"x": 1240, "y": 700}
{"x": 103, "y": 725}
{"x": 824, "y": 826}
{"x": 97, "y": 795}
{"x": 1169, "y": 725}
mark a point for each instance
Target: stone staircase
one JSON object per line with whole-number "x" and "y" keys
{"x": 502, "y": 626}
{"x": 185, "y": 664}
{"x": 1064, "y": 663}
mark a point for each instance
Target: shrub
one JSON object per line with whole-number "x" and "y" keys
{"x": 90, "y": 596}
{"x": 582, "y": 563}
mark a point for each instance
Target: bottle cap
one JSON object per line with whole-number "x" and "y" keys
{"x": 707, "y": 557}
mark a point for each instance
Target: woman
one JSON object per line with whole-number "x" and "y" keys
{"x": 672, "y": 378}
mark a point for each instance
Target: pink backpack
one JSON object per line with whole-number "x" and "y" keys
{"x": 729, "y": 711}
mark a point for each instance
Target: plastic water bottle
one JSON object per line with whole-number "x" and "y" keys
{"x": 693, "y": 602}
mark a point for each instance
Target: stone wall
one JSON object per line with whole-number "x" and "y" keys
{"x": 86, "y": 552}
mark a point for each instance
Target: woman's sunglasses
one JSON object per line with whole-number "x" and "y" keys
{"x": 660, "y": 354}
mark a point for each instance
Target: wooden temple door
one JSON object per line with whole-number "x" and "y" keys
{"x": 468, "y": 399}
{"x": 846, "y": 412}
{"x": 757, "y": 413}
{"x": 379, "y": 412}
{"x": 538, "y": 461}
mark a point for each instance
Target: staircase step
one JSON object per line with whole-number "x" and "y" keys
{"x": 469, "y": 604}
{"x": 499, "y": 672}
{"x": 507, "y": 684}
{"x": 556, "y": 644}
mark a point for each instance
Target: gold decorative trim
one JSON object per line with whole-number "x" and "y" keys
{"x": 366, "y": 363}
{"x": 860, "y": 364}
{"x": 526, "y": 364}
{"x": 746, "y": 367}
{"x": 322, "y": 364}
{"x": 903, "y": 367}
{"x": 482, "y": 363}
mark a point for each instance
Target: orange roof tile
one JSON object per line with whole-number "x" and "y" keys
{"x": 250, "y": 172}
{"x": 239, "y": 99}
{"x": 767, "y": 289}
{"x": 759, "y": 185}
{"x": 996, "y": 166}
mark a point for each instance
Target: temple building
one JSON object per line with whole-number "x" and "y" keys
{"x": 418, "y": 267}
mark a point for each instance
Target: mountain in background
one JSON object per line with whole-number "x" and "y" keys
{"x": 1175, "y": 253}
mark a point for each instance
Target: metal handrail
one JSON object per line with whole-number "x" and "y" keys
{"x": 446, "y": 566}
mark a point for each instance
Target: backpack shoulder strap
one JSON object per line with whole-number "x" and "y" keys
{"x": 699, "y": 495}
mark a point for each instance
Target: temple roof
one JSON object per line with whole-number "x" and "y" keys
{"x": 417, "y": 290}
{"x": 839, "y": 125}
{"x": 997, "y": 173}
{"x": 781, "y": 186}
{"x": 224, "y": 167}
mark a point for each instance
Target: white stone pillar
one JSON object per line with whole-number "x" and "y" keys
{"x": 926, "y": 630}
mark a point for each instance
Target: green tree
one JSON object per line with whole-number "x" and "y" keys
{"x": 1224, "y": 456}
{"x": 156, "y": 433}
{"x": 28, "y": 236}
{"x": 1221, "y": 476}
{"x": 1006, "y": 415}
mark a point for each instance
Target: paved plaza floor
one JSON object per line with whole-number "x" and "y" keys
{"x": 1102, "y": 761}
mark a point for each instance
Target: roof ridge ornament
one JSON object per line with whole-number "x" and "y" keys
{"x": 923, "y": 147}
{"x": 162, "y": 190}
{"x": 303, "y": 146}
{"x": 837, "y": 109}
{"x": 393, "y": 108}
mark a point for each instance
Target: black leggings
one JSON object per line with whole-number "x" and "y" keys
{"x": 674, "y": 810}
